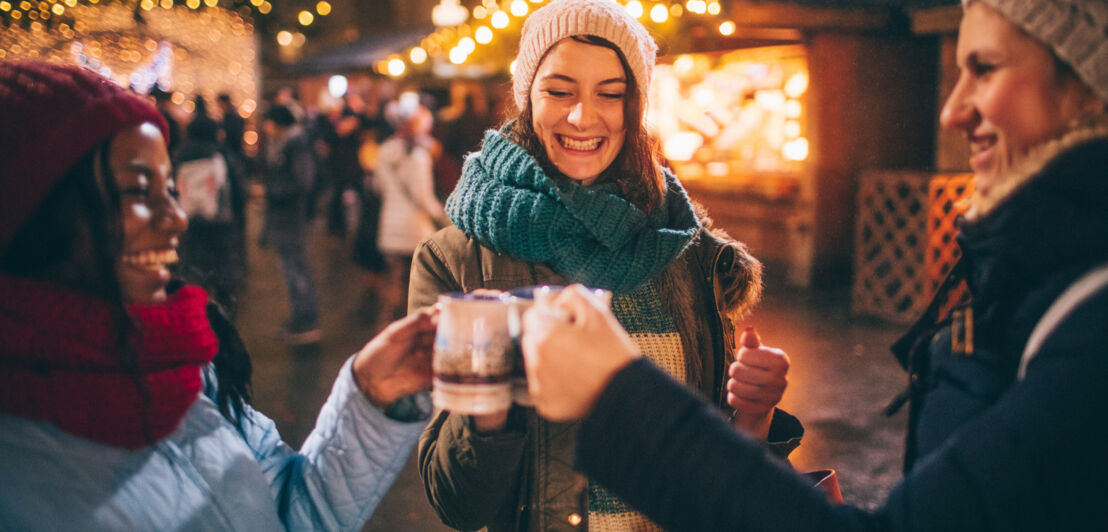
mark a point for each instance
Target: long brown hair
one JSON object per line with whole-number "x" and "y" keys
{"x": 635, "y": 168}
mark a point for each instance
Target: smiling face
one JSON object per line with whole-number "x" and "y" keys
{"x": 152, "y": 220}
{"x": 1010, "y": 95}
{"x": 577, "y": 108}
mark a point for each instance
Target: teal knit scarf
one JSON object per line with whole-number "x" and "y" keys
{"x": 589, "y": 235}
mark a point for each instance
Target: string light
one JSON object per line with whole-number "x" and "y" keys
{"x": 634, "y": 7}
{"x": 467, "y": 44}
{"x": 483, "y": 35}
{"x": 418, "y": 55}
{"x": 458, "y": 55}
{"x": 455, "y": 41}
{"x": 659, "y": 13}
{"x": 323, "y": 8}
{"x": 305, "y": 18}
{"x": 396, "y": 67}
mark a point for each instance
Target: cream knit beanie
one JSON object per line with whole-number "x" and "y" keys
{"x": 1076, "y": 30}
{"x": 565, "y": 18}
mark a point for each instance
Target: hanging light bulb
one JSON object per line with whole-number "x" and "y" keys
{"x": 448, "y": 13}
{"x": 634, "y": 7}
{"x": 659, "y": 13}
{"x": 483, "y": 35}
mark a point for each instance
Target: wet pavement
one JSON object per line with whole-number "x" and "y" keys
{"x": 842, "y": 374}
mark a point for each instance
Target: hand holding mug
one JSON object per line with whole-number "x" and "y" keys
{"x": 397, "y": 362}
{"x": 572, "y": 346}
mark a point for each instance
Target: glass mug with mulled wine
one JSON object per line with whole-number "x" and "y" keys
{"x": 477, "y": 361}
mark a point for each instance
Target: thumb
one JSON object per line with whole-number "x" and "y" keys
{"x": 749, "y": 339}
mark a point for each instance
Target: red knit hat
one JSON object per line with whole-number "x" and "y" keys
{"x": 53, "y": 116}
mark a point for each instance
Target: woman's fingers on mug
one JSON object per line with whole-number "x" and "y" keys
{"x": 486, "y": 292}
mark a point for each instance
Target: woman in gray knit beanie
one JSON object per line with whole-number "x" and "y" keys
{"x": 1007, "y": 388}
{"x": 571, "y": 191}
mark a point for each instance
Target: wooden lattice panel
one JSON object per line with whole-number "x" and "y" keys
{"x": 949, "y": 195}
{"x": 890, "y": 243}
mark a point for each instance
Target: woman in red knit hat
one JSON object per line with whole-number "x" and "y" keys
{"x": 124, "y": 395}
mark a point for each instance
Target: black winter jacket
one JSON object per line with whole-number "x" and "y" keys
{"x": 988, "y": 451}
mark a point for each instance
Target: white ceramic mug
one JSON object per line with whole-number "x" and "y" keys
{"x": 473, "y": 356}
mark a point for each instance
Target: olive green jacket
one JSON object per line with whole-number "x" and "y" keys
{"x": 522, "y": 478}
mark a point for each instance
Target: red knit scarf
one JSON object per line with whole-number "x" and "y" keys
{"x": 61, "y": 361}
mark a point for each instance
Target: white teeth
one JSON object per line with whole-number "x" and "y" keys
{"x": 151, "y": 259}
{"x": 581, "y": 145}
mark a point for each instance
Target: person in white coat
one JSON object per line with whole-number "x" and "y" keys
{"x": 410, "y": 211}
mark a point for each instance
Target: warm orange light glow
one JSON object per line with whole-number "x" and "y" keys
{"x": 418, "y": 55}
{"x": 467, "y": 44}
{"x": 634, "y": 7}
{"x": 458, "y": 55}
{"x": 726, "y": 27}
{"x": 659, "y": 13}
{"x": 499, "y": 20}
{"x": 796, "y": 85}
{"x": 396, "y": 67}
{"x": 323, "y": 8}
{"x": 305, "y": 18}
{"x": 483, "y": 35}
{"x": 796, "y": 149}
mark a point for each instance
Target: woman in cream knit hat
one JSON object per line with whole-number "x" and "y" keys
{"x": 1008, "y": 390}
{"x": 570, "y": 190}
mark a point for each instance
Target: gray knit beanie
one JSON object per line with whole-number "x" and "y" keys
{"x": 565, "y": 18}
{"x": 1076, "y": 30}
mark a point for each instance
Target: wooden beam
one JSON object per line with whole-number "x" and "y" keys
{"x": 782, "y": 15}
{"x": 943, "y": 19}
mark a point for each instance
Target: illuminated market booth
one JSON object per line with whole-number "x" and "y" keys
{"x": 187, "y": 48}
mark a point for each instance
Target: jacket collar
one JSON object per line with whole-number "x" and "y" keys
{"x": 1032, "y": 164}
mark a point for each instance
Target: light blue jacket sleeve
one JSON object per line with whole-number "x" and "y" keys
{"x": 346, "y": 465}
